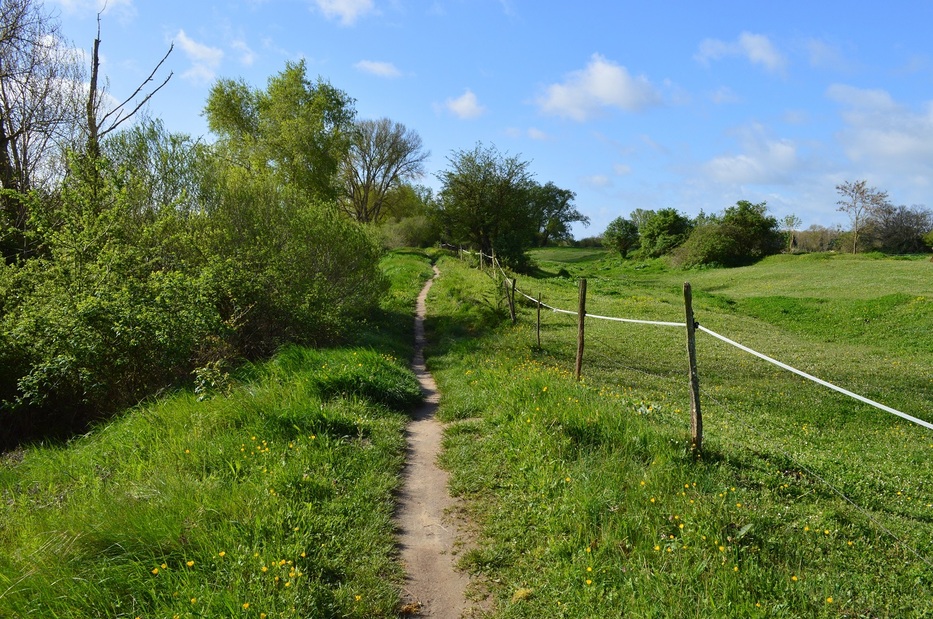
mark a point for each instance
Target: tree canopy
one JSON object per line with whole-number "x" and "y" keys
{"x": 484, "y": 202}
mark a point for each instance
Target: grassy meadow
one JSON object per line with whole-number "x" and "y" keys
{"x": 805, "y": 503}
{"x": 269, "y": 496}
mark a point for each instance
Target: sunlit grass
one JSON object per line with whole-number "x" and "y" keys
{"x": 271, "y": 498}
{"x": 589, "y": 501}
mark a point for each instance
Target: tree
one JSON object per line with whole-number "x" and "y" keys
{"x": 639, "y": 216}
{"x": 860, "y": 203}
{"x": 663, "y": 231}
{"x": 99, "y": 125}
{"x": 554, "y": 210}
{"x": 900, "y": 229}
{"x": 295, "y": 129}
{"x": 484, "y": 203}
{"x": 381, "y": 155}
{"x": 755, "y": 232}
{"x": 790, "y": 223}
{"x": 39, "y": 110}
{"x": 621, "y": 235}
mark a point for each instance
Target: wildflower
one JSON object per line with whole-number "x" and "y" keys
{"x": 829, "y": 600}
{"x": 194, "y": 600}
{"x": 164, "y": 566}
{"x": 358, "y": 597}
{"x": 264, "y": 569}
{"x": 245, "y": 605}
{"x": 589, "y": 582}
{"x": 722, "y": 549}
{"x": 221, "y": 554}
{"x": 735, "y": 569}
{"x": 190, "y": 563}
{"x": 589, "y": 569}
{"x": 155, "y": 570}
{"x": 657, "y": 547}
{"x": 794, "y": 578}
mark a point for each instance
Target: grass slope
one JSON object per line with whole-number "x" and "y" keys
{"x": 273, "y": 499}
{"x": 587, "y": 497}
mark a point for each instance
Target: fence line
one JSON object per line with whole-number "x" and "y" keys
{"x": 751, "y": 351}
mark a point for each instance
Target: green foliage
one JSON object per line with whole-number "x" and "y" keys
{"x": 295, "y": 129}
{"x": 621, "y": 235}
{"x": 554, "y": 211}
{"x": 742, "y": 235}
{"x": 662, "y": 231}
{"x": 484, "y": 203}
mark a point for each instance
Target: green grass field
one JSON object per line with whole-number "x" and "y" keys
{"x": 805, "y": 503}
{"x": 272, "y": 497}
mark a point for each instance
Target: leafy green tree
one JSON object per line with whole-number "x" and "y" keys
{"x": 743, "y": 234}
{"x": 621, "y": 235}
{"x": 554, "y": 210}
{"x": 900, "y": 229}
{"x": 485, "y": 203}
{"x": 660, "y": 233}
{"x": 297, "y": 129}
{"x": 790, "y": 224}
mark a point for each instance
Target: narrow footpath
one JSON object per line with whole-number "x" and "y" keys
{"x": 433, "y": 587}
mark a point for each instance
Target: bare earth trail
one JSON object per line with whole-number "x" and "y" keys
{"x": 426, "y": 533}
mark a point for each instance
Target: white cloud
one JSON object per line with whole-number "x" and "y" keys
{"x": 724, "y": 95}
{"x": 204, "y": 59}
{"x": 602, "y": 84}
{"x": 763, "y": 162}
{"x": 347, "y": 11}
{"x": 883, "y": 135}
{"x": 597, "y": 181}
{"x": 756, "y": 48}
{"x": 537, "y": 134}
{"x": 465, "y": 106}
{"x": 824, "y": 55}
{"x": 247, "y": 56}
{"x": 622, "y": 169}
{"x": 381, "y": 69}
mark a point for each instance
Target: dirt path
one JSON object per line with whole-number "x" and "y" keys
{"x": 426, "y": 533}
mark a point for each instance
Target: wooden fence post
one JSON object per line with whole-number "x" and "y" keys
{"x": 539, "y": 320}
{"x": 512, "y": 301}
{"x": 696, "y": 417}
{"x": 581, "y": 315}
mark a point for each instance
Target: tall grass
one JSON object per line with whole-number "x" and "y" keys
{"x": 272, "y": 497}
{"x": 588, "y": 499}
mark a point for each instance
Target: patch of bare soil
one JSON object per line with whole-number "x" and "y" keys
{"x": 429, "y": 535}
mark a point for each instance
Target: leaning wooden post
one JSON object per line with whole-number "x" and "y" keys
{"x": 480, "y": 259}
{"x": 539, "y": 320}
{"x": 696, "y": 418}
{"x": 581, "y": 315}
{"x": 512, "y": 301}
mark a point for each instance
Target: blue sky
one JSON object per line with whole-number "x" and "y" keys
{"x": 690, "y": 105}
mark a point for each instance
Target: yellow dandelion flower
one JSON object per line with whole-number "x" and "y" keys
{"x": 190, "y": 563}
{"x": 165, "y": 566}
{"x": 245, "y": 605}
{"x": 155, "y": 570}
{"x": 194, "y": 600}
{"x": 221, "y": 554}
{"x": 589, "y": 569}
{"x": 303, "y": 555}
{"x": 657, "y": 547}
{"x": 358, "y": 597}
{"x": 735, "y": 569}
{"x": 264, "y": 569}
{"x": 589, "y": 582}
{"x": 794, "y": 578}
{"x": 829, "y": 600}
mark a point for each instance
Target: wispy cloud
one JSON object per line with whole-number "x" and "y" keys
{"x": 756, "y": 48}
{"x": 884, "y": 135}
{"x": 465, "y": 106}
{"x": 247, "y": 55}
{"x": 603, "y": 84}
{"x": 347, "y": 11}
{"x": 204, "y": 59}
{"x": 381, "y": 69}
{"x": 763, "y": 160}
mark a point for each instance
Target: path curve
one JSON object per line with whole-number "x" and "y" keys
{"x": 433, "y": 585}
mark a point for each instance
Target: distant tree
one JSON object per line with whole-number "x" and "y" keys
{"x": 621, "y": 235}
{"x": 554, "y": 210}
{"x": 790, "y": 224}
{"x": 381, "y": 155}
{"x": 860, "y": 203}
{"x": 900, "y": 229}
{"x": 743, "y": 234}
{"x": 640, "y": 216}
{"x": 40, "y": 111}
{"x": 818, "y": 238}
{"x": 663, "y": 231}
{"x": 484, "y": 202}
